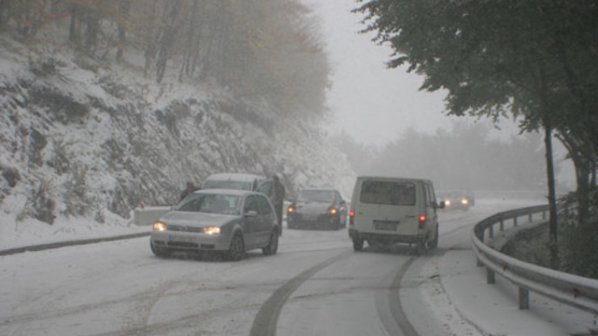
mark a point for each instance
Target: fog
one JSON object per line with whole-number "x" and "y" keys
{"x": 385, "y": 125}
{"x": 366, "y": 99}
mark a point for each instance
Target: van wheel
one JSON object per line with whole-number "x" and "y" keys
{"x": 423, "y": 245}
{"x": 357, "y": 244}
{"x": 434, "y": 243}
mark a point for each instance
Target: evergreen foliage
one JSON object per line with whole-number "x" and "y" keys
{"x": 534, "y": 59}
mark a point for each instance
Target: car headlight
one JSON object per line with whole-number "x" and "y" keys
{"x": 159, "y": 226}
{"x": 333, "y": 211}
{"x": 211, "y": 230}
{"x": 290, "y": 209}
{"x": 464, "y": 201}
{"x": 447, "y": 203}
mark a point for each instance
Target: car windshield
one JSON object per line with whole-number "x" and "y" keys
{"x": 316, "y": 196}
{"x": 211, "y": 203}
{"x": 228, "y": 184}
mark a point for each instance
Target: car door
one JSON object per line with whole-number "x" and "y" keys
{"x": 251, "y": 217}
{"x": 387, "y": 207}
{"x": 430, "y": 204}
{"x": 267, "y": 219}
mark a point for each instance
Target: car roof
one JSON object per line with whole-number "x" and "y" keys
{"x": 235, "y": 177}
{"x": 236, "y": 192}
{"x": 322, "y": 189}
{"x": 393, "y": 178}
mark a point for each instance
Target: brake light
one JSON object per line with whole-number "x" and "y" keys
{"x": 422, "y": 221}
{"x": 352, "y": 213}
{"x": 352, "y": 217}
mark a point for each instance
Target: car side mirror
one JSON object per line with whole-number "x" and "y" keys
{"x": 251, "y": 213}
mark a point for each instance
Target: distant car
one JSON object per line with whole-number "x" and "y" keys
{"x": 317, "y": 209}
{"x": 230, "y": 221}
{"x": 456, "y": 199}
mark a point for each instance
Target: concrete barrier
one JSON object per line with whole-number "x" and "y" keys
{"x": 148, "y": 215}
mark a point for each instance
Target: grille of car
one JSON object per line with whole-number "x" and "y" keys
{"x": 182, "y": 244}
{"x": 184, "y": 228}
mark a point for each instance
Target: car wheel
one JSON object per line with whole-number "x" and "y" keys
{"x": 159, "y": 252}
{"x": 272, "y": 247}
{"x": 236, "y": 251}
{"x": 434, "y": 242}
{"x": 357, "y": 244}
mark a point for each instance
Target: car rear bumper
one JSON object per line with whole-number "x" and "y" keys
{"x": 386, "y": 237}
{"x": 186, "y": 241}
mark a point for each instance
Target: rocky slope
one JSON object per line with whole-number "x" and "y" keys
{"x": 80, "y": 139}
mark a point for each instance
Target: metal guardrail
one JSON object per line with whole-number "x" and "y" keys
{"x": 566, "y": 288}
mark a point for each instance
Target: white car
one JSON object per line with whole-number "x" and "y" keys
{"x": 229, "y": 221}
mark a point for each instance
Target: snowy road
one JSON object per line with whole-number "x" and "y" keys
{"x": 316, "y": 285}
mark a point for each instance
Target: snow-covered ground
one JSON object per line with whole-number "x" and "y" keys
{"x": 323, "y": 287}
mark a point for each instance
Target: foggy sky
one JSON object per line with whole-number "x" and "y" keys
{"x": 368, "y": 100}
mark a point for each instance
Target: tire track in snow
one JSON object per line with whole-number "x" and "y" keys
{"x": 266, "y": 320}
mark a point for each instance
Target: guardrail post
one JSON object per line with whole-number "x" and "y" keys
{"x": 491, "y": 231}
{"x": 523, "y": 298}
{"x": 514, "y": 221}
{"x": 490, "y": 276}
{"x": 543, "y": 214}
{"x": 502, "y": 225}
{"x": 530, "y": 217}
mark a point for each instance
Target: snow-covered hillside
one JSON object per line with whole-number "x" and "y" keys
{"x": 81, "y": 140}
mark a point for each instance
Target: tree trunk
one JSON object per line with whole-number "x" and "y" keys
{"x": 91, "y": 33}
{"x": 3, "y": 13}
{"x": 122, "y": 30}
{"x": 551, "y": 190}
{"x": 74, "y": 25}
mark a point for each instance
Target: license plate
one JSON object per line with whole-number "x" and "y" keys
{"x": 182, "y": 239}
{"x": 386, "y": 225}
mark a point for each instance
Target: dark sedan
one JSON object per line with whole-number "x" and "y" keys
{"x": 317, "y": 209}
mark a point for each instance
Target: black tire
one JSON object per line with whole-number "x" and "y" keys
{"x": 423, "y": 246}
{"x": 159, "y": 252}
{"x": 434, "y": 242}
{"x": 357, "y": 244}
{"x": 236, "y": 251}
{"x": 272, "y": 247}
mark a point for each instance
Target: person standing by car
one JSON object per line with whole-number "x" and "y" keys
{"x": 189, "y": 189}
{"x": 278, "y": 199}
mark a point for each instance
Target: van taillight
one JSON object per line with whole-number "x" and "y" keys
{"x": 352, "y": 217}
{"x": 352, "y": 213}
{"x": 422, "y": 221}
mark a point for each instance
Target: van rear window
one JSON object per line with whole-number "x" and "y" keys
{"x": 389, "y": 193}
